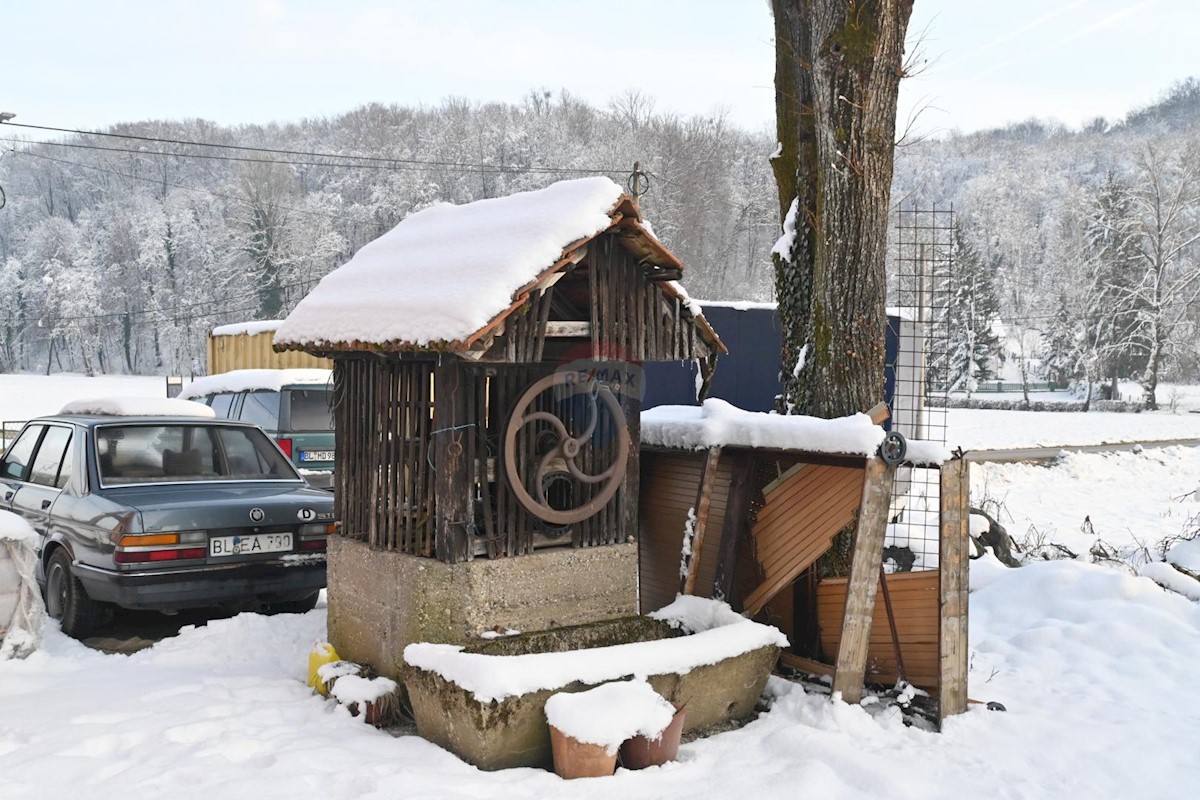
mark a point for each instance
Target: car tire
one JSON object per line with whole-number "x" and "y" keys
{"x": 67, "y": 600}
{"x": 301, "y": 606}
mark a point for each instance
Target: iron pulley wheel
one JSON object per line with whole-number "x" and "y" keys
{"x": 893, "y": 448}
{"x": 564, "y": 450}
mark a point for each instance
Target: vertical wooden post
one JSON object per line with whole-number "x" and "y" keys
{"x": 452, "y": 477}
{"x": 631, "y": 405}
{"x": 864, "y": 580}
{"x": 953, "y": 585}
{"x": 737, "y": 523}
{"x": 708, "y": 477}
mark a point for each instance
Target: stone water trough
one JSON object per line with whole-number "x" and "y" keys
{"x": 486, "y": 702}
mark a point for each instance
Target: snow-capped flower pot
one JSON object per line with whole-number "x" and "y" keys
{"x": 643, "y": 751}
{"x": 576, "y": 759}
{"x": 588, "y": 728}
{"x": 486, "y": 702}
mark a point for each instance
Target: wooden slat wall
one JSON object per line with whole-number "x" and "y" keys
{"x": 915, "y": 602}
{"x": 669, "y": 484}
{"x": 802, "y": 514}
{"x": 254, "y": 351}
{"x": 383, "y": 480}
{"x": 631, "y": 318}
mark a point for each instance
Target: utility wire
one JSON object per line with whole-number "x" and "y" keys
{"x": 383, "y": 161}
{"x": 158, "y": 182}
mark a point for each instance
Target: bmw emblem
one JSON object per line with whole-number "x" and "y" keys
{"x": 257, "y": 515}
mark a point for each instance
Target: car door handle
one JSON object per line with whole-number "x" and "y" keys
{"x": 8, "y": 495}
{"x": 46, "y": 504}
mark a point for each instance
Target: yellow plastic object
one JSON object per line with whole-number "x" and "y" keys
{"x": 321, "y": 654}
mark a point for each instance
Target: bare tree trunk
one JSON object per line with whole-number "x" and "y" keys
{"x": 838, "y": 68}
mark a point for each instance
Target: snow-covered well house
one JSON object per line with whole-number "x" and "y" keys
{"x": 487, "y": 390}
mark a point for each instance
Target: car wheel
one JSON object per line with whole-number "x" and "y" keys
{"x": 294, "y": 606}
{"x": 67, "y": 601}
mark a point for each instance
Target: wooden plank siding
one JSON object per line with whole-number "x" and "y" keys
{"x": 255, "y": 351}
{"x": 803, "y": 511}
{"x": 915, "y": 602}
{"x": 670, "y": 482}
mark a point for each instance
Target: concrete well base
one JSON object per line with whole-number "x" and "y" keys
{"x": 380, "y": 602}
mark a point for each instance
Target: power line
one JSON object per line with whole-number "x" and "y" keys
{"x": 157, "y": 182}
{"x": 383, "y": 162}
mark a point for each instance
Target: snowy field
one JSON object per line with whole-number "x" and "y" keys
{"x": 1095, "y": 666}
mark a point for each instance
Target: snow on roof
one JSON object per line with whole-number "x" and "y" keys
{"x": 721, "y": 424}
{"x": 739, "y": 305}
{"x": 138, "y": 407}
{"x": 722, "y": 634}
{"x": 240, "y": 380}
{"x": 718, "y": 423}
{"x": 250, "y": 328}
{"x": 445, "y": 272}
{"x": 610, "y": 713}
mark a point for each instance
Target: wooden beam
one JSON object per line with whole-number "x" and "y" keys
{"x": 864, "y": 580}
{"x": 452, "y": 476}
{"x": 559, "y": 329}
{"x": 737, "y": 523}
{"x": 708, "y": 478}
{"x": 803, "y": 664}
{"x": 953, "y": 586}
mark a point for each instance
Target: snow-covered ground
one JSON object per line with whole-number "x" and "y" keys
{"x": 1095, "y": 666}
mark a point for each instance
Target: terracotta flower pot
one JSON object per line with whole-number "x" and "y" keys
{"x": 576, "y": 759}
{"x": 640, "y": 752}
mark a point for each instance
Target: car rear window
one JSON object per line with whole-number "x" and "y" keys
{"x": 309, "y": 409}
{"x": 128, "y": 454}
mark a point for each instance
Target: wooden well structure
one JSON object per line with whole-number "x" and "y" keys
{"x": 445, "y": 452}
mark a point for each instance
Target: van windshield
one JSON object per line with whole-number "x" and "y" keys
{"x": 310, "y": 409}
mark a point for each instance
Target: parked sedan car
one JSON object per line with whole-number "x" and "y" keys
{"x": 164, "y": 513}
{"x": 294, "y": 407}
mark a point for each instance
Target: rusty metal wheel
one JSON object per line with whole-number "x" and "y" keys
{"x": 564, "y": 449}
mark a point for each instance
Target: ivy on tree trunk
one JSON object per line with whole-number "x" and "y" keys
{"x": 838, "y": 65}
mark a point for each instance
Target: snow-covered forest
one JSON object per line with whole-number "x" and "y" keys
{"x": 117, "y": 255}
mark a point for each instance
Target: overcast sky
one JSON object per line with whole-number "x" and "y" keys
{"x": 81, "y": 63}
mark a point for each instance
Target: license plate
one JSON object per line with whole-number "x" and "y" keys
{"x": 316, "y": 455}
{"x": 248, "y": 545}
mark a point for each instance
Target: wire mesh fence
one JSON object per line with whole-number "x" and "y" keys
{"x": 920, "y": 290}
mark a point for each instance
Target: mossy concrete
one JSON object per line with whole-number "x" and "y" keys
{"x": 514, "y": 732}
{"x": 380, "y": 602}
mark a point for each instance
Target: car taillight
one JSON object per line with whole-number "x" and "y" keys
{"x": 145, "y": 548}
{"x": 313, "y": 544}
{"x": 286, "y": 446}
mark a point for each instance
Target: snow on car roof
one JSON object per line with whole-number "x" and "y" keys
{"x": 138, "y": 407}
{"x": 241, "y": 380}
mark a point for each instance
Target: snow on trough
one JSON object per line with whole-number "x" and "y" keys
{"x": 716, "y": 635}
{"x": 444, "y": 272}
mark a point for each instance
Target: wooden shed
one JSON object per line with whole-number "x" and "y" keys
{"x": 761, "y": 507}
{"x": 250, "y": 345}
